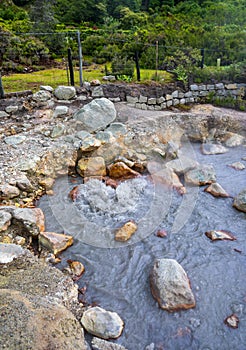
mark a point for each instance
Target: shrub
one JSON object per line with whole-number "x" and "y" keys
{"x": 121, "y": 66}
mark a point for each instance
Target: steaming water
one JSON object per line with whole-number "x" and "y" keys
{"x": 118, "y": 278}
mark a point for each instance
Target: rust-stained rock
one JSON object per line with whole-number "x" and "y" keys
{"x": 111, "y": 182}
{"x": 161, "y": 233}
{"x": 121, "y": 171}
{"x": 124, "y": 233}
{"x": 232, "y": 321}
{"x": 73, "y": 194}
{"x": 75, "y": 269}
{"x": 216, "y": 190}
{"x": 216, "y": 235}
{"x": 170, "y": 286}
{"x": 47, "y": 182}
{"x": 55, "y": 242}
{"x": 94, "y": 166}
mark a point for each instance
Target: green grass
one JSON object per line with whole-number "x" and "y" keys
{"x": 55, "y": 77}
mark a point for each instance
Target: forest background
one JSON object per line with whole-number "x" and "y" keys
{"x": 169, "y": 35}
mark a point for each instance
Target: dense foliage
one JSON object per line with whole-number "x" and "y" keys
{"x": 168, "y": 34}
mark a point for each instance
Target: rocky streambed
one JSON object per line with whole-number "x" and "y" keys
{"x": 129, "y": 197}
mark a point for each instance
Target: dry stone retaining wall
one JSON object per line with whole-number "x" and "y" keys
{"x": 138, "y": 96}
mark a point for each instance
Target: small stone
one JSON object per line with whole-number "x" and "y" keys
{"x": 240, "y": 201}
{"x": 24, "y": 184}
{"x": 101, "y": 323}
{"x": 41, "y": 96}
{"x": 46, "y": 88}
{"x": 75, "y": 269}
{"x": 90, "y": 144}
{"x": 221, "y": 235}
{"x": 3, "y": 114}
{"x": 47, "y": 182}
{"x": 101, "y": 344}
{"x": 73, "y": 194}
{"x": 109, "y": 78}
{"x": 124, "y": 233}
{"x": 55, "y": 242}
{"x": 94, "y": 166}
{"x": 237, "y": 166}
{"x": 168, "y": 177}
{"x": 5, "y": 220}
{"x": 9, "y": 252}
{"x": 8, "y": 191}
{"x": 61, "y": 111}
{"x": 65, "y": 92}
{"x": 216, "y": 190}
{"x": 121, "y": 171}
{"x": 182, "y": 164}
{"x": 117, "y": 129}
{"x": 201, "y": 175}
{"x": 82, "y": 135}
{"x": 212, "y": 148}
{"x": 97, "y": 92}
{"x": 15, "y": 140}
{"x": 233, "y": 140}
{"x": 20, "y": 240}
{"x": 161, "y": 233}
{"x": 232, "y": 321}
{"x": 57, "y": 131}
{"x": 170, "y": 286}
{"x": 11, "y": 109}
{"x": 31, "y": 218}
{"x": 95, "y": 82}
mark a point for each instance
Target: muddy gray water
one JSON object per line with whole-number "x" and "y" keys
{"x": 118, "y": 278}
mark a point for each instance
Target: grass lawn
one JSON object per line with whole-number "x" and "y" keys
{"x": 55, "y": 77}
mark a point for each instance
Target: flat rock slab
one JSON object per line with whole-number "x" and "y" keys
{"x": 213, "y": 148}
{"x": 220, "y": 235}
{"x": 96, "y": 115}
{"x": 101, "y": 344}
{"x": 101, "y": 323}
{"x": 55, "y": 242}
{"x": 237, "y": 166}
{"x": 216, "y": 190}
{"x": 170, "y": 286}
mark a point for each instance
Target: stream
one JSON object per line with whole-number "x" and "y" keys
{"x": 117, "y": 274}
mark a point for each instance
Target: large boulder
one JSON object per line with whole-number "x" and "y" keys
{"x": 39, "y": 324}
{"x": 101, "y": 323}
{"x": 240, "y": 201}
{"x": 38, "y": 303}
{"x": 96, "y": 115}
{"x": 170, "y": 286}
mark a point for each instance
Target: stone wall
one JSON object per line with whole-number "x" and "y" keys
{"x": 159, "y": 98}
{"x": 136, "y": 95}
